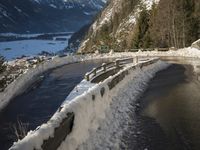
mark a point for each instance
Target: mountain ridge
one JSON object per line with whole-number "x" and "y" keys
{"x": 34, "y": 16}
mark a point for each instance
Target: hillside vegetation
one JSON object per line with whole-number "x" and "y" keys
{"x": 133, "y": 24}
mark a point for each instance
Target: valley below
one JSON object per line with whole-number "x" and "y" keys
{"x": 14, "y": 46}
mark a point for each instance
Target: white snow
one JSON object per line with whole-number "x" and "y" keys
{"x": 109, "y": 132}
{"x": 185, "y": 52}
{"x": 132, "y": 19}
{"x": 149, "y": 3}
{"x": 94, "y": 116}
{"x": 107, "y": 17}
{"x": 82, "y": 87}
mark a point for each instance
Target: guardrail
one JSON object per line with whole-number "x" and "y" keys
{"x": 147, "y": 49}
{"x": 111, "y": 66}
{"x": 52, "y": 141}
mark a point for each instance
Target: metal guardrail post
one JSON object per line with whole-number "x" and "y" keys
{"x": 94, "y": 71}
{"x": 136, "y": 59}
{"x": 87, "y": 77}
{"x": 60, "y": 133}
{"x": 117, "y": 63}
{"x": 104, "y": 67}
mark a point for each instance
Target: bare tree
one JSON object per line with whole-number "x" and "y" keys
{"x": 20, "y": 129}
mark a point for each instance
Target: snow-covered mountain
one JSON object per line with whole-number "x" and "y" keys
{"x": 65, "y": 4}
{"x": 46, "y": 15}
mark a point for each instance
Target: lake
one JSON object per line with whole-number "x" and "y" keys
{"x": 12, "y": 49}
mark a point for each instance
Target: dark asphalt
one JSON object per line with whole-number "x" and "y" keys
{"x": 37, "y": 105}
{"x": 167, "y": 115}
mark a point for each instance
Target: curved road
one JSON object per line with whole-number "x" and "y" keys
{"x": 167, "y": 115}
{"x": 37, "y": 105}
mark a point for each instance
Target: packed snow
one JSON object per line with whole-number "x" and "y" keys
{"x": 185, "y": 52}
{"x": 95, "y": 120}
{"x": 79, "y": 90}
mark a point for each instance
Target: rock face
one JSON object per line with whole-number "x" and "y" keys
{"x": 21, "y": 16}
{"x": 115, "y": 25}
{"x": 196, "y": 44}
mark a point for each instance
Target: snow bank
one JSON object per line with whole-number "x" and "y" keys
{"x": 185, "y": 52}
{"x": 79, "y": 90}
{"x": 93, "y": 109}
{"x": 109, "y": 133}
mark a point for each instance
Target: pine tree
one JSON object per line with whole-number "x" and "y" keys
{"x": 2, "y": 69}
{"x": 2, "y": 66}
{"x": 175, "y": 23}
{"x": 141, "y": 36}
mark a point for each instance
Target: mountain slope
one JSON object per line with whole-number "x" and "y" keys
{"x": 46, "y": 15}
{"x": 115, "y": 25}
{"x": 131, "y": 24}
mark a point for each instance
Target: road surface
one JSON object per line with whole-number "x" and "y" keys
{"x": 167, "y": 115}
{"x": 37, "y": 105}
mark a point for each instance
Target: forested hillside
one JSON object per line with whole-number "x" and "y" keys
{"x": 170, "y": 24}
{"x": 130, "y": 24}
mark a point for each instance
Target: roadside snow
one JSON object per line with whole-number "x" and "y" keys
{"x": 110, "y": 129}
{"x": 149, "y": 3}
{"x": 185, "y": 52}
{"x": 82, "y": 87}
{"x": 98, "y": 121}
